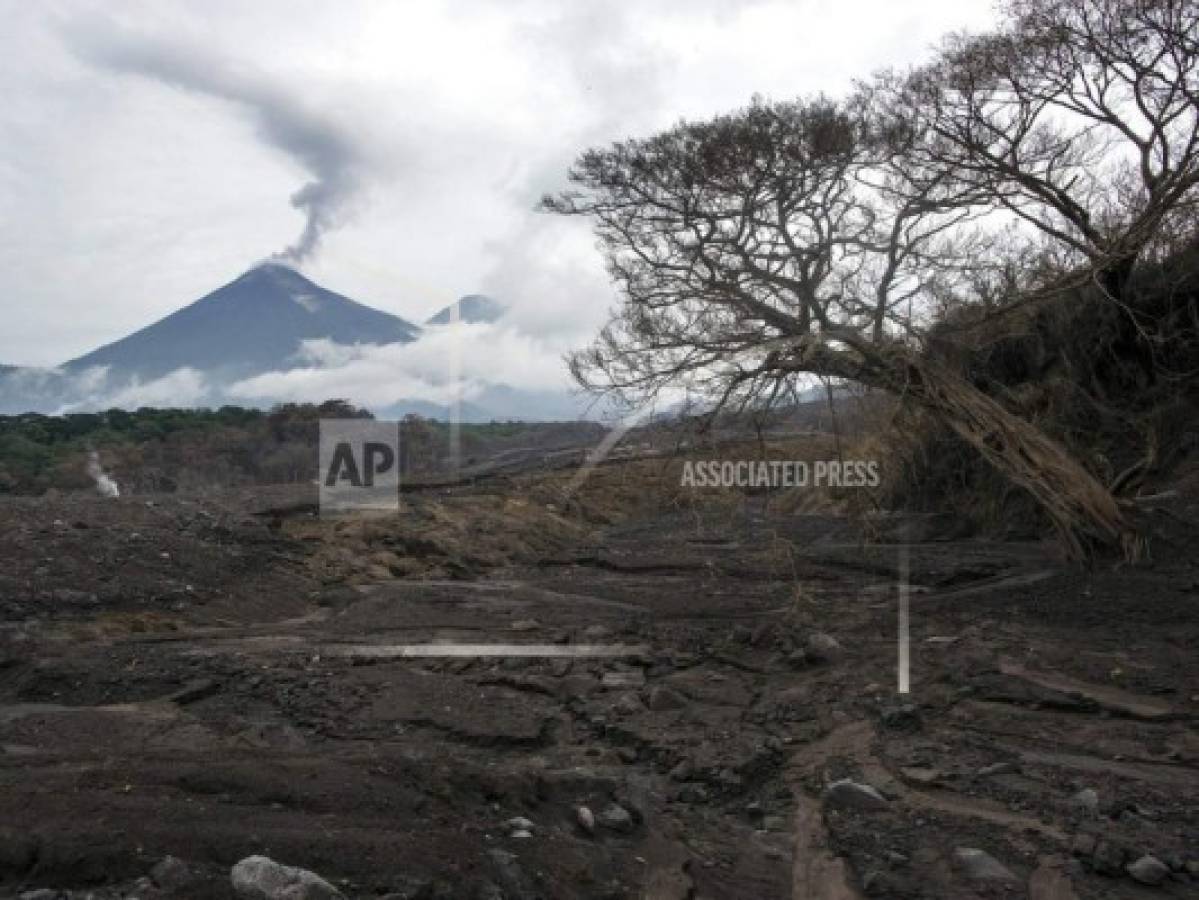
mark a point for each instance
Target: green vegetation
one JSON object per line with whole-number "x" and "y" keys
{"x": 151, "y": 450}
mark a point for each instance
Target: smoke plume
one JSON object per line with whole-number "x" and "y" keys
{"x": 284, "y": 121}
{"x": 104, "y": 483}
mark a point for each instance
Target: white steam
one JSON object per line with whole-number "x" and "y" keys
{"x": 104, "y": 482}
{"x": 323, "y": 146}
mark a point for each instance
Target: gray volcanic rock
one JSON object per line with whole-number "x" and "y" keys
{"x": 261, "y": 878}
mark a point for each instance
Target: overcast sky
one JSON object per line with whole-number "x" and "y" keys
{"x": 150, "y": 152}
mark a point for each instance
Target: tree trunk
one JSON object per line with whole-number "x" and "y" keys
{"x": 1085, "y": 513}
{"x": 1114, "y": 276}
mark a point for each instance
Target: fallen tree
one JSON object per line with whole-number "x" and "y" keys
{"x": 788, "y": 239}
{"x": 1084, "y": 512}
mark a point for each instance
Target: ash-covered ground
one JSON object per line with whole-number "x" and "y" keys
{"x": 188, "y": 681}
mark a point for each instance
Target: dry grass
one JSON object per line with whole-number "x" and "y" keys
{"x": 524, "y": 519}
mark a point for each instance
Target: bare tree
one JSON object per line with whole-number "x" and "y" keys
{"x": 787, "y": 240}
{"x": 1079, "y": 117}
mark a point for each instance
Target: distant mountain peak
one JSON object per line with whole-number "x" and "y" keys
{"x": 255, "y": 323}
{"x": 472, "y": 309}
{"x": 275, "y": 273}
{"x": 277, "y": 280}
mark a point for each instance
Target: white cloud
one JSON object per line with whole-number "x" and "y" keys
{"x": 93, "y": 388}
{"x": 448, "y": 361}
{"x": 126, "y": 197}
{"x": 182, "y": 387}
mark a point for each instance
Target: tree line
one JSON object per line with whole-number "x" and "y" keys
{"x": 151, "y": 450}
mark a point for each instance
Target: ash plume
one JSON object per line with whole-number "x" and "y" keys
{"x": 284, "y": 121}
{"x": 104, "y": 482}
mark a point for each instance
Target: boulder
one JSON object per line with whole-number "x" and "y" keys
{"x": 616, "y": 817}
{"x": 1085, "y": 802}
{"x": 1148, "y": 870}
{"x": 848, "y": 794}
{"x": 586, "y": 819}
{"x": 519, "y": 826}
{"x": 978, "y": 865}
{"x": 822, "y": 648}
{"x": 261, "y": 878}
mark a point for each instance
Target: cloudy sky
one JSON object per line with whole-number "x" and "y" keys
{"x": 150, "y": 152}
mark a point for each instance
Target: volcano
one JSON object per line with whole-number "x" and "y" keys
{"x": 255, "y": 323}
